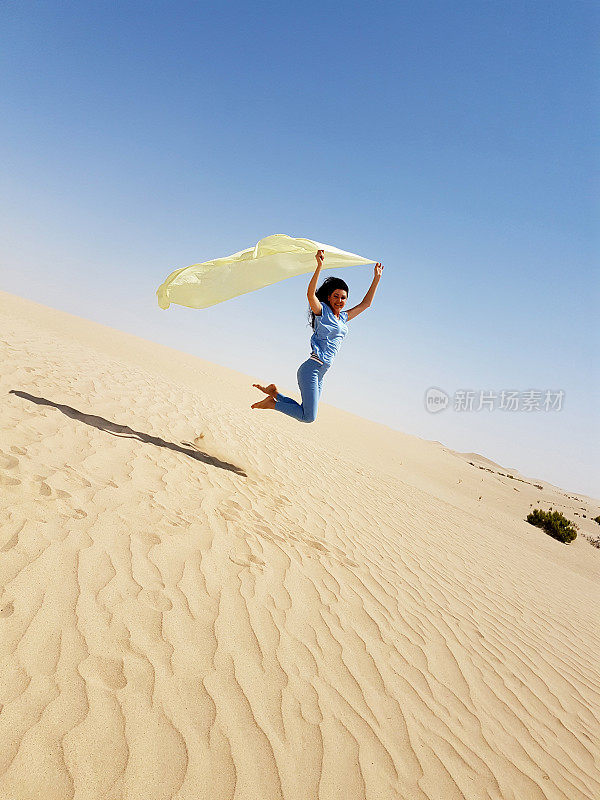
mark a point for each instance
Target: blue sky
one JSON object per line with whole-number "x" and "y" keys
{"x": 455, "y": 142}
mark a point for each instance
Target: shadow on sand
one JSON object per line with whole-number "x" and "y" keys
{"x": 123, "y": 431}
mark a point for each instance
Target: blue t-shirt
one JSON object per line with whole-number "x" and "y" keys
{"x": 329, "y": 333}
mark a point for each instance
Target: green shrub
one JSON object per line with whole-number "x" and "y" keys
{"x": 554, "y": 524}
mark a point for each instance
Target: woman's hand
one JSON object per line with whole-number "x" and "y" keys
{"x": 320, "y": 255}
{"x": 378, "y": 270}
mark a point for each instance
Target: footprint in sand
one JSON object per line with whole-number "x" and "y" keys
{"x": 263, "y": 530}
{"x": 19, "y": 450}
{"x": 79, "y": 513}
{"x": 6, "y": 481}
{"x": 148, "y": 539}
{"x": 8, "y": 462}
{"x": 10, "y": 544}
{"x": 45, "y": 490}
{"x": 246, "y": 561}
{"x": 111, "y": 673}
{"x": 156, "y": 599}
{"x": 107, "y": 672}
{"x": 6, "y": 609}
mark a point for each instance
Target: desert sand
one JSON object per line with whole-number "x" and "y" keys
{"x": 201, "y": 601}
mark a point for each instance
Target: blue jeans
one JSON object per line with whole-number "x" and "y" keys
{"x": 310, "y": 380}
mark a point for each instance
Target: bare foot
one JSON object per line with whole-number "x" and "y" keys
{"x": 268, "y": 402}
{"x": 270, "y": 389}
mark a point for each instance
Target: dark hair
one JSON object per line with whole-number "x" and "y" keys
{"x": 324, "y": 291}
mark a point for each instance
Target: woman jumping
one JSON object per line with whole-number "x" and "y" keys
{"x": 329, "y": 323}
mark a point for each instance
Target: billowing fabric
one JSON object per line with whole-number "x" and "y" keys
{"x": 272, "y": 259}
{"x": 329, "y": 333}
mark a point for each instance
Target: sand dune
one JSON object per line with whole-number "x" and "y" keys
{"x": 203, "y": 602}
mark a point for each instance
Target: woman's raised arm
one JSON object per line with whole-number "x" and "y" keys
{"x": 313, "y": 300}
{"x": 368, "y": 298}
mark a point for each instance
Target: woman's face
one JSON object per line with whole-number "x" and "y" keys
{"x": 337, "y": 299}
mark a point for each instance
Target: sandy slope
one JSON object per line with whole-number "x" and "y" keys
{"x": 206, "y": 602}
